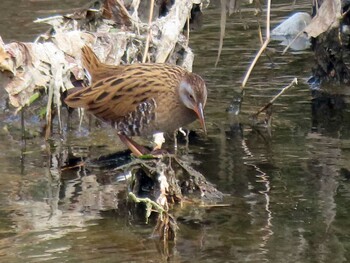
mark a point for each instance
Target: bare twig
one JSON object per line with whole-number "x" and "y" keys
{"x": 188, "y": 31}
{"x": 263, "y": 47}
{"x": 149, "y": 32}
{"x": 345, "y": 13}
{"x": 294, "y": 82}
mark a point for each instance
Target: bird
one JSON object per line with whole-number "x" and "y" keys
{"x": 140, "y": 99}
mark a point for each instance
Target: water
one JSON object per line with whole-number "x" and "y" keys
{"x": 288, "y": 190}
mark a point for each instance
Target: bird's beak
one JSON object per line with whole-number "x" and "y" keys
{"x": 199, "y": 111}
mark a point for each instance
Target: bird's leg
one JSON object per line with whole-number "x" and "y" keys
{"x": 133, "y": 146}
{"x": 186, "y": 135}
{"x": 175, "y": 140}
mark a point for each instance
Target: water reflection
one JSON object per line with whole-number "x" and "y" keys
{"x": 326, "y": 159}
{"x": 327, "y": 112}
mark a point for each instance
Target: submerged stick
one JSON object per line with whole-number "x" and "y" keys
{"x": 293, "y": 40}
{"x": 263, "y": 47}
{"x": 294, "y": 82}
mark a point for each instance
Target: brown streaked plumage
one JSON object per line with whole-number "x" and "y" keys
{"x": 141, "y": 99}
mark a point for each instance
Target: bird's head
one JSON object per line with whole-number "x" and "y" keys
{"x": 193, "y": 94}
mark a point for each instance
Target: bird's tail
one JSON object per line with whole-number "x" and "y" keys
{"x": 90, "y": 61}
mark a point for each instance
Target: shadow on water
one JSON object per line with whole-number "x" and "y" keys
{"x": 287, "y": 190}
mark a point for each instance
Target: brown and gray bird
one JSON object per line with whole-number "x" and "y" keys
{"x": 140, "y": 99}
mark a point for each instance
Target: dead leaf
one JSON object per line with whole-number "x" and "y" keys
{"x": 6, "y": 63}
{"x": 115, "y": 10}
{"x": 327, "y": 17}
{"x": 71, "y": 42}
{"x": 171, "y": 27}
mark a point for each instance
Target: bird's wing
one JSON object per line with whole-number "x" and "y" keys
{"x": 114, "y": 97}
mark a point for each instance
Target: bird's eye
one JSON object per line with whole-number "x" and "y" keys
{"x": 191, "y": 96}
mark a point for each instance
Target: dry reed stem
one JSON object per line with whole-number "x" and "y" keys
{"x": 260, "y": 34}
{"x": 222, "y": 29}
{"x": 263, "y": 47}
{"x": 149, "y": 32}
